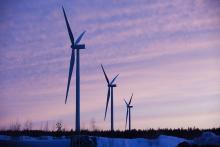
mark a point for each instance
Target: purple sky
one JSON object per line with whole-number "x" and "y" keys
{"x": 167, "y": 54}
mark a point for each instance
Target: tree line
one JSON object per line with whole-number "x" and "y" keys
{"x": 188, "y": 133}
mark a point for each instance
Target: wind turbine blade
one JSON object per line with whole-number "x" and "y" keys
{"x": 126, "y": 118}
{"x": 68, "y": 28}
{"x": 72, "y": 60}
{"x": 80, "y": 37}
{"x": 105, "y": 74}
{"x": 130, "y": 99}
{"x": 114, "y": 79}
{"x": 126, "y": 102}
{"x": 108, "y": 96}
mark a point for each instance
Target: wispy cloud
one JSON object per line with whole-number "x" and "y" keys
{"x": 166, "y": 52}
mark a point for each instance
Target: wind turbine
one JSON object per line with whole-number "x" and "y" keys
{"x": 75, "y": 46}
{"x": 128, "y": 113}
{"x": 110, "y": 85}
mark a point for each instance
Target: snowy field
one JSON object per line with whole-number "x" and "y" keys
{"x": 161, "y": 141}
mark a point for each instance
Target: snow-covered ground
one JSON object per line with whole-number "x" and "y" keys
{"x": 207, "y": 138}
{"x": 161, "y": 141}
{"x": 26, "y": 141}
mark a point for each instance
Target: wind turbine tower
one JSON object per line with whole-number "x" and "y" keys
{"x": 75, "y": 47}
{"x": 128, "y": 113}
{"x": 110, "y": 85}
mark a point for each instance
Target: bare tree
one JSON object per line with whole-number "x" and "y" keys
{"x": 93, "y": 124}
{"x": 41, "y": 126}
{"x": 54, "y": 126}
{"x": 59, "y": 126}
{"x": 46, "y": 126}
{"x": 83, "y": 126}
{"x": 15, "y": 126}
{"x": 28, "y": 125}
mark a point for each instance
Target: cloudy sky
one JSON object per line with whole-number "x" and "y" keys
{"x": 167, "y": 54}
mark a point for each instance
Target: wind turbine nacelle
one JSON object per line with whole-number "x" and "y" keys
{"x": 79, "y": 46}
{"x": 113, "y": 85}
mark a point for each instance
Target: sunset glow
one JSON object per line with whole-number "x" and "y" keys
{"x": 166, "y": 52}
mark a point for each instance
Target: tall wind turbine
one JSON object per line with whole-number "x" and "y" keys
{"x": 128, "y": 113}
{"x": 75, "y": 46}
{"x": 110, "y": 85}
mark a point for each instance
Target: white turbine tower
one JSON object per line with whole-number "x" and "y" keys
{"x": 75, "y": 46}
{"x": 128, "y": 113}
{"x": 110, "y": 85}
